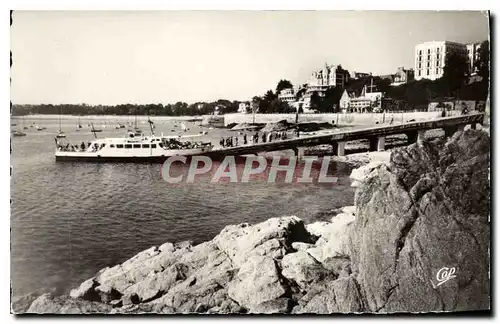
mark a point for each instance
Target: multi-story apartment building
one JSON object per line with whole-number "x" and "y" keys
{"x": 430, "y": 58}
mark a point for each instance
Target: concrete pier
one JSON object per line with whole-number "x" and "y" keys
{"x": 375, "y": 134}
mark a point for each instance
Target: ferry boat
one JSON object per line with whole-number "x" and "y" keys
{"x": 132, "y": 148}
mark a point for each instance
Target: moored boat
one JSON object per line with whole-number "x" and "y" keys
{"x": 132, "y": 149}
{"x": 60, "y": 134}
{"x": 18, "y": 133}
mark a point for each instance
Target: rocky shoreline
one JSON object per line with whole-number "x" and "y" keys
{"x": 417, "y": 210}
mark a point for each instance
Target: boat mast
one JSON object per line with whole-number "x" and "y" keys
{"x": 93, "y": 130}
{"x": 151, "y": 126}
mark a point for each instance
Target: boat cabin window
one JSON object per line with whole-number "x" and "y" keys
{"x": 119, "y": 145}
{"x": 137, "y": 145}
{"x": 112, "y": 145}
{"x": 153, "y": 145}
{"x": 145, "y": 145}
{"x": 128, "y": 146}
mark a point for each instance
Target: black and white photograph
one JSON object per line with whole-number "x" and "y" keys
{"x": 250, "y": 162}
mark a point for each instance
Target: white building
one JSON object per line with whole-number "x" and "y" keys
{"x": 244, "y": 107}
{"x": 473, "y": 56}
{"x": 328, "y": 77}
{"x": 287, "y": 95}
{"x": 430, "y": 58}
{"x": 358, "y": 75}
{"x": 367, "y": 101}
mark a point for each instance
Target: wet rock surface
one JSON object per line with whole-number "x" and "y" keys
{"x": 426, "y": 210}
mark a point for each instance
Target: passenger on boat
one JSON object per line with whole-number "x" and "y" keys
{"x": 82, "y": 146}
{"x": 236, "y": 141}
{"x": 263, "y": 137}
{"x": 245, "y": 139}
{"x": 221, "y": 142}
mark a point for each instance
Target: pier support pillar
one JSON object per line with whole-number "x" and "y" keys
{"x": 339, "y": 148}
{"x": 381, "y": 143}
{"x": 421, "y": 135}
{"x": 299, "y": 152}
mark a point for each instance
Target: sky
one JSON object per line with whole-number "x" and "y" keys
{"x": 115, "y": 57}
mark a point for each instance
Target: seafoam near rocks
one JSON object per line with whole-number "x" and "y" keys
{"x": 425, "y": 210}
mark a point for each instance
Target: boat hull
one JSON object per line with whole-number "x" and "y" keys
{"x": 96, "y": 157}
{"x": 111, "y": 159}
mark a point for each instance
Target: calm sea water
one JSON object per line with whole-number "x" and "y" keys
{"x": 68, "y": 220}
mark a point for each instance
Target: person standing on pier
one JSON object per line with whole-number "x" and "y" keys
{"x": 263, "y": 137}
{"x": 236, "y": 141}
{"x": 245, "y": 139}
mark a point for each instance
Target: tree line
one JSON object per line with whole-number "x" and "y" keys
{"x": 177, "y": 109}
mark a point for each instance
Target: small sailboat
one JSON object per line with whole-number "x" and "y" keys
{"x": 183, "y": 127}
{"x": 40, "y": 128}
{"x": 60, "y": 133}
{"x": 18, "y": 133}
{"x": 22, "y": 123}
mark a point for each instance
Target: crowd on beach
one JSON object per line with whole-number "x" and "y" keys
{"x": 256, "y": 138}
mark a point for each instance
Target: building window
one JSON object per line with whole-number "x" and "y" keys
{"x": 419, "y": 65}
{"x": 428, "y": 51}
{"x": 418, "y": 73}
{"x": 437, "y": 63}
{"x": 428, "y": 64}
{"x": 427, "y": 71}
{"x": 438, "y": 49}
{"x": 428, "y": 57}
{"x": 437, "y": 71}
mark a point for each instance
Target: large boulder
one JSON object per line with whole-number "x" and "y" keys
{"x": 272, "y": 238}
{"x": 256, "y": 282}
{"x": 47, "y": 304}
{"x": 303, "y": 269}
{"x": 338, "y": 296}
{"x": 20, "y": 304}
{"x": 205, "y": 287}
{"x": 425, "y": 212}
